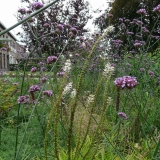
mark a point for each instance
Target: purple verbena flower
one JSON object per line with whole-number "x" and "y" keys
{"x": 48, "y": 93}
{"x": 109, "y": 15}
{"x": 22, "y": 10}
{"x": 126, "y": 81}
{"x": 142, "y": 11}
{"x": 3, "y": 49}
{"x": 151, "y": 73}
{"x": 41, "y": 63}
{"x": 122, "y": 114}
{"x": 144, "y": 29}
{"x": 157, "y": 9}
{"x": 60, "y": 74}
{"x": 46, "y": 25}
{"x": 71, "y": 35}
{"x": 131, "y": 82}
{"x": 120, "y": 82}
{"x": 129, "y": 33}
{"x": 137, "y": 44}
{"x": 29, "y": 11}
{"x": 60, "y": 26}
{"x": 33, "y": 69}
{"x": 51, "y": 59}
{"x": 42, "y": 68}
{"x": 37, "y": 5}
{"x": 73, "y": 30}
{"x": 34, "y": 88}
{"x": 44, "y": 79}
{"x": 120, "y": 19}
{"x": 23, "y": 99}
{"x": 68, "y": 26}
{"x": 142, "y": 69}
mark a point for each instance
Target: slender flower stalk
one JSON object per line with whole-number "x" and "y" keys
{"x": 109, "y": 29}
{"x": 55, "y": 110}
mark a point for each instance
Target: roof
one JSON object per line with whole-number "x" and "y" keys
{"x": 4, "y": 27}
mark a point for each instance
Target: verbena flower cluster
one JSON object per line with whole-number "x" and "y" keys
{"x": 51, "y": 59}
{"x": 157, "y": 9}
{"x": 126, "y": 81}
{"x": 142, "y": 11}
{"x": 122, "y": 114}
{"x": 34, "y": 88}
{"x": 24, "y": 99}
{"x": 37, "y": 5}
{"x": 48, "y": 93}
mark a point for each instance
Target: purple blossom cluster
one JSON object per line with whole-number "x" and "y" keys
{"x": 142, "y": 11}
{"x": 60, "y": 74}
{"x": 73, "y": 30}
{"x": 117, "y": 42}
{"x": 157, "y": 9}
{"x": 139, "y": 43}
{"x": 137, "y": 22}
{"x": 37, "y": 5}
{"x": 144, "y": 29}
{"x": 33, "y": 69}
{"x": 126, "y": 81}
{"x": 46, "y": 25}
{"x": 24, "y": 99}
{"x": 3, "y": 49}
{"x": 60, "y": 26}
{"x": 44, "y": 79}
{"x": 34, "y": 88}
{"x": 122, "y": 114}
{"x": 151, "y": 73}
{"x": 22, "y": 10}
{"x": 51, "y": 59}
{"x": 48, "y": 93}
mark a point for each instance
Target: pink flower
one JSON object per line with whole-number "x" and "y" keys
{"x": 131, "y": 82}
{"x": 73, "y": 30}
{"x": 68, "y": 26}
{"x": 34, "y": 88}
{"x": 37, "y": 5}
{"x": 120, "y": 82}
{"x": 44, "y": 79}
{"x": 33, "y": 69}
{"x": 23, "y": 99}
{"x": 60, "y": 74}
{"x": 46, "y": 25}
{"x": 137, "y": 44}
{"x": 122, "y": 114}
{"x": 22, "y": 10}
{"x": 60, "y": 26}
{"x": 48, "y": 93}
{"x": 126, "y": 81}
{"x": 41, "y": 63}
{"x": 142, "y": 69}
{"x": 51, "y": 59}
{"x": 157, "y": 9}
{"x": 151, "y": 73}
{"x": 142, "y": 11}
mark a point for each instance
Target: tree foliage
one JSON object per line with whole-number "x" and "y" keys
{"x": 131, "y": 25}
{"x": 51, "y": 30}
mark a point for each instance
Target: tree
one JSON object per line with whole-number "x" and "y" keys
{"x": 134, "y": 21}
{"x": 52, "y": 29}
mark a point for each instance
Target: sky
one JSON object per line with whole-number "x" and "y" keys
{"x": 8, "y": 9}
